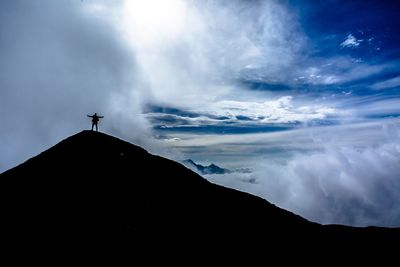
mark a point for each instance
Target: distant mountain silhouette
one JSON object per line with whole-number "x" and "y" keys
{"x": 97, "y": 195}
{"x": 210, "y": 169}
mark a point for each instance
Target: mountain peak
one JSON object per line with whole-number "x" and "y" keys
{"x": 94, "y": 192}
{"x": 210, "y": 169}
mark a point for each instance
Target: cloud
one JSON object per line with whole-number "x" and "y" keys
{"x": 338, "y": 70}
{"x": 59, "y": 63}
{"x": 230, "y": 116}
{"x": 197, "y": 50}
{"x": 390, "y": 83}
{"x": 339, "y": 174}
{"x": 63, "y": 60}
{"x": 319, "y": 72}
{"x": 305, "y": 139}
{"x": 281, "y": 110}
{"x": 375, "y": 107}
{"x": 351, "y": 42}
{"x": 345, "y": 185}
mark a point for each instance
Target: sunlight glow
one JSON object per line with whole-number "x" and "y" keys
{"x": 151, "y": 20}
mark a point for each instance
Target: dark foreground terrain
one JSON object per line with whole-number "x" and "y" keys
{"x": 96, "y": 195}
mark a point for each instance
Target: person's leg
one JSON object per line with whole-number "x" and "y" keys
{"x": 92, "y": 125}
{"x": 97, "y": 128}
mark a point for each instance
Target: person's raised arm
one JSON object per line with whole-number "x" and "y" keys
{"x": 89, "y": 116}
{"x": 101, "y": 116}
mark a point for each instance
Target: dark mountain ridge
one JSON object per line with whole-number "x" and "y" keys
{"x": 95, "y": 193}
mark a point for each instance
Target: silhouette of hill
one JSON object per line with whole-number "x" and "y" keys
{"x": 210, "y": 169}
{"x": 94, "y": 194}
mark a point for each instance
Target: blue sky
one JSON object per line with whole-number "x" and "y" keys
{"x": 305, "y": 94}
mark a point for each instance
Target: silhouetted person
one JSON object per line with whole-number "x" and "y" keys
{"x": 95, "y": 120}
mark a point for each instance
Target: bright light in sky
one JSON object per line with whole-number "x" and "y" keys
{"x": 151, "y": 20}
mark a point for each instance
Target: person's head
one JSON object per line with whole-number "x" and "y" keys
{"x": 95, "y": 114}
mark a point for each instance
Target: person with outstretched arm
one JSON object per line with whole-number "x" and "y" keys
{"x": 95, "y": 120}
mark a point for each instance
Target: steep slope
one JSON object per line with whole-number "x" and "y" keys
{"x": 94, "y": 192}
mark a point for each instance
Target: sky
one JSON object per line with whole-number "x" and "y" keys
{"x": 303, "y": 95}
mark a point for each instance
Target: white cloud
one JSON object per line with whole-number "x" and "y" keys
{"x": 338, "y": 70}
{"x": 175, "y": 139}
{"x": 303, "y": 139}
{"x": 281, "y": 110}
{"x": 344, "y": 174}
{"x": 114, "y": 57}
{"x": 322, "y": 71}
{"x": 341, "y": 185}
{"x": 351, "y": 41}
{"x": 390, "y": 83}
{"x": 316, "y": 75}
{"x": 190, "y": 53}
{"x": 377, "y": 107}
{"x": 236, "y": 113}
